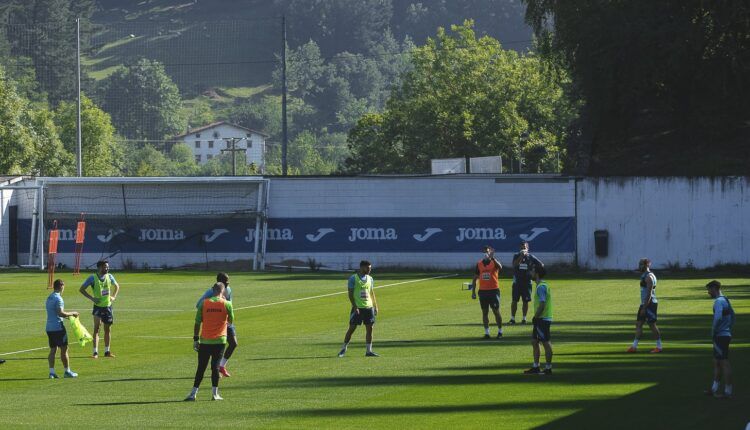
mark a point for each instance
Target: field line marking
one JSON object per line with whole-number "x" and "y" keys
{"x": 116, "y": 309}
{"x": 342, "y": 292}
{"x": 32, "y": 349}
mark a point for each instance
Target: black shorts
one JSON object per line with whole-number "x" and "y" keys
{"x": 57, "y": 338}
{"x": 522, "y": 292}
{"x": 721, "y": 347}
{"x": 365, "y": 316}
{"x": 104, "y": 314}
{"x": 650, "y": 315}
{"x": 541, "y": 331}
{"x": 489, "y": 299}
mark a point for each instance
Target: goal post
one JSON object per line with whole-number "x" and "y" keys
{"x": 159, "y": 221}
{"x": 20, "y": 235}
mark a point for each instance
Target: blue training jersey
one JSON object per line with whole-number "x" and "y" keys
{"x": 210, "y": 292}
{"x": 644, "y": 288}
{"x": 54, "y": 303}
{"x": 723, "y": 317}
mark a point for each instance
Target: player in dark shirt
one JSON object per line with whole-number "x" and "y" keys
{"x": 522, "y": 263}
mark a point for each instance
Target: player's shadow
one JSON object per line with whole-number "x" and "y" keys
{"x": 316, "y": 357}
{"x": 144, "y": 379}
{"x": 155, "y": 402}
{"x": 21, "y": 379}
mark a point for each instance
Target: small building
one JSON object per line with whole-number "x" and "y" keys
{"x": 209, "y": 140}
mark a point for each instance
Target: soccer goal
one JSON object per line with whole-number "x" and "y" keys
{"x": 158, "y": 222}
{"x": 20, "y": 200}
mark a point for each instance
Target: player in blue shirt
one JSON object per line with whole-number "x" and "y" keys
{"x": 56, "y": 334}
{"x": 231, "y": 333}
{"x": 721, "y": 332}
{"x": 647, "y": 312}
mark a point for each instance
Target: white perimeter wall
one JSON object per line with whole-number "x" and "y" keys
{"x": 455, "y": 196}
{"x": 701, "y": 222}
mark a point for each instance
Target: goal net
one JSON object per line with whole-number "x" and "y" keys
{"x": 159, "y": 222}
{"x": 19, "y": 200}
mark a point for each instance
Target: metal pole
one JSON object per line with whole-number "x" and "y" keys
{"x": 79, "y": 165}
{"x": 234, "y": 157}
{"x": 284, "y": 136}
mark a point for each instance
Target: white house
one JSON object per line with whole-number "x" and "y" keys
{"x": 208, "y": 142}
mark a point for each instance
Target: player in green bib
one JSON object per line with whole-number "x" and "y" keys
{"x": 104, "y": 291}
{"x": 542, "y": 321}
{"x": 364, "y": 306}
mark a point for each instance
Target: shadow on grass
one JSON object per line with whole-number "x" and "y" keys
{"x": 155, "y": 402}
{"x": 440, "y": 409}
{"x": 317, "y": 357}
{"x": 22, "y": 379}
{"x": 143, "y": 379}
{"x": 674, "y": 381}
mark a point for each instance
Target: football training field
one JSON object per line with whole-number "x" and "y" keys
{"x": 434, "y": 371}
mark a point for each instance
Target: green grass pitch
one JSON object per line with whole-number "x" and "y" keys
{"x": 434, "y": 370}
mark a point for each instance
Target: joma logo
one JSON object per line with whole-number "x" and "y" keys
{"x": 480, "y": 233}
{"x": 271, "y": 234}
{"x": 66, "y": 235}
{"x": 372, "y": 234}
{"x": 160, "y": 234}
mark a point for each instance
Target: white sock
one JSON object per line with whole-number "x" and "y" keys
{"x": 524, "y": 318}
{"x": 658, "y": 343}
{"x": 548, "y": 365}
{"x": 223, "y": 362}
{"x": 67, "y": 369}
{"x": 96, "y": 350}
{"x": 728, "y": 390}
{"x": 106, "y": 349}
{"x": 369, "y": 347}
{"x": 346, "y": 345}
{"x": 194, "y": 392}
{"x": 715, "y": 386}
{"x": 487, "y": 331}
{"x": 536, "y": 364}
{"x": 215, "y": 391}
{"x": 52, "y": 370}
{"x": 513, "y": 319}
{"x": 500, "y": 331}
{"x": 635, "y": 343}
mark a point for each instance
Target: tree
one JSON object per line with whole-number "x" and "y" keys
{"x": 222, "y": 166}
{"x": 98, "y": 149}
{"x": 666, "y": 84}
{"x": 52, "y": 159}
{"x": 465, "y": 97}
{"x": 337, "y": 25}
{"x": 16, "y": 141}
{"x": 143, "y": 101}
{"x": 29, "y": 139}
{"x": 45, "y": 32}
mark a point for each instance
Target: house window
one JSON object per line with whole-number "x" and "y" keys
{"x": 216, "y": 135}
{"x": 209, "y": 156}
{"x": 197, "y": 135}
{"x": 248, "y": 135}
{"x": 198, "y": 158}
{"x": 198, "y": 144}
{"x": 249, "y": 143}
{"x": 210, "y": 143}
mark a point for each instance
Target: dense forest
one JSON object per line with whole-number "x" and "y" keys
{"x": 380, "y": 86}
